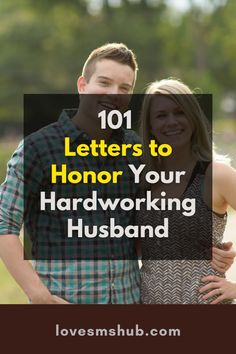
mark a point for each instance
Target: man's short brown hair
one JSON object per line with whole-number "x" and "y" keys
{"x": 118, "y": 52}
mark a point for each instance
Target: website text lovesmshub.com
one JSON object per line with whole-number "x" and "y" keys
{"x": 117, "y": 330}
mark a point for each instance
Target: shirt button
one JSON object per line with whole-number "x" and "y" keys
{"x": 113, "y": 286}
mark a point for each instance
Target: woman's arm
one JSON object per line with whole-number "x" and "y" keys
{"x": 224, "y": 187}
{"x": 223, "y": 184}
{"x": 224, "y": 195}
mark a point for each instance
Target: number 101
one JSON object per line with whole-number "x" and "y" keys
{"x": 114, "y": 119}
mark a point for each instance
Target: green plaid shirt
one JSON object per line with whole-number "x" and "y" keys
{"x": 112, "y": 279}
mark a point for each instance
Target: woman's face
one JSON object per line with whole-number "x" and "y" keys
{"x": 169, "y": 125}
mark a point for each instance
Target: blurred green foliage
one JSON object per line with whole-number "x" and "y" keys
{"x": 4, "y": 156}
{"x": 6, "y": 150}
{"x": 45, "y": 43}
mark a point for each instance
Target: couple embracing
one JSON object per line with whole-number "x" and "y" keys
{"x": 170, "y": 115}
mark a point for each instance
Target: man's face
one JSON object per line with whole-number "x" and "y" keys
{"x": 111, "y": 84}
{"x": 109, "y": 77}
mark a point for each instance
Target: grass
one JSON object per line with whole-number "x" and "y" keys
{"x": 10, "y": 292}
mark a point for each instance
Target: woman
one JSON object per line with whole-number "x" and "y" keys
{"x": 172, "y": 270}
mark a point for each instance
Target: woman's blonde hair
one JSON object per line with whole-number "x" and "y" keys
{"x": 201, "y": 142}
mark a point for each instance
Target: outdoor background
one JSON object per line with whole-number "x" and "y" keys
{"x": 45, "y": 43}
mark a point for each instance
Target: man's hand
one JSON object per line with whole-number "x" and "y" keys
{"x": 48, "y": 299}
{"x": 222, "y": 259}
{"x": 11, "y": 252}
{"x": 219, "y": 287}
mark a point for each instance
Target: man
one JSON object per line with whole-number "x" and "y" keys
{"x": 110, "y": 69}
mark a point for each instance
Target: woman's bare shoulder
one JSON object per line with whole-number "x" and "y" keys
{"x": 222, "y": 171}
